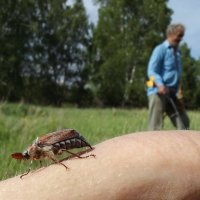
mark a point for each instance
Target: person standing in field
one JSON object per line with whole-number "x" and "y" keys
{"x": 164, "y": 73}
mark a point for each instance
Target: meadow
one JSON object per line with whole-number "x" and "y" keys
{"x": 20, "y": 124}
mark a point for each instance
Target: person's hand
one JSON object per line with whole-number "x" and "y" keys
{"x": 163, "y": 90}
{"x": 141, "y": 166}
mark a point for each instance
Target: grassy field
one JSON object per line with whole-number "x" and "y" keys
{"x": 20, "y": 124}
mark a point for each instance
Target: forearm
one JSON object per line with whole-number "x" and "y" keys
{"x": 144, "y": 166}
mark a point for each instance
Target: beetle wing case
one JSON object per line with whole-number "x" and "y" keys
{"x": 63, "y": 139}
{"x": 57, "y": 136}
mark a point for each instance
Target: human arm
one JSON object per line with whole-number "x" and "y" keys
{"x": 155, "y": 67}
{"x": 139, "y": 166}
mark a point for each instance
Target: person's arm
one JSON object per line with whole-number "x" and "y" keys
{"x": 139, "y": 166}
{"x": 155, "y": 66}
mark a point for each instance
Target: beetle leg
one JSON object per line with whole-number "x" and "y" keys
{"x": 74, "y": 154}
{"x": 57, "y": 161}
{"x": 40, "y": 163}
{"x": 25, "y": 173}
{"x": 29, "y": 169}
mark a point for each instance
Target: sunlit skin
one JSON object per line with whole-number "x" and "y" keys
{"x": 141, "y": 166}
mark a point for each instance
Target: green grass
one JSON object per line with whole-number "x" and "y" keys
{"x": 20, "y": 124}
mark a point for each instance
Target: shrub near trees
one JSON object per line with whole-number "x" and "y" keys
{"x": 51, "y": 54}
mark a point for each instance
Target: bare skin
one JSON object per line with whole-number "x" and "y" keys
{"x": 141, "y": 166}
{"x": 163, "y": 90}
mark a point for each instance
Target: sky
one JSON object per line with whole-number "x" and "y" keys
{"x": 186, "y": 12}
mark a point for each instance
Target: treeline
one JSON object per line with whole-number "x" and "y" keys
{"x": 51, "y": 54}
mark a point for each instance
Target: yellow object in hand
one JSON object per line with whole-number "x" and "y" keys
{"x": 150, "y": 82}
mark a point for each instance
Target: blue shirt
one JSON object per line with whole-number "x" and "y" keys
{"x": 165, "y": 66}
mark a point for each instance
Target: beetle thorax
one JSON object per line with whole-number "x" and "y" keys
{"x": 35, "y": 152}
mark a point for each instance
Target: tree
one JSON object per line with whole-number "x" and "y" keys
{"x": 197, "y": 79}
{"x": 45, "y": 51}
{"x": 14, "y": 18}
{"x": 59, "y": 42}
{"x": 189, "y": 79}
{"x": 123, "y": 39}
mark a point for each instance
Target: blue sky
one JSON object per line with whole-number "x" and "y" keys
{"x": 185, "y": 11}
{"x": 188, "y": 13}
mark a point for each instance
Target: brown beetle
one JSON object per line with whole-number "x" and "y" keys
{"x": 52, "y": 144}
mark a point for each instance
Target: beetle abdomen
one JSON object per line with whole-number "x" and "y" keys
{"x": 72, "y": 143}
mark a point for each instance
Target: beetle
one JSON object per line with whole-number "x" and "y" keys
{"x": 52, "y": 144}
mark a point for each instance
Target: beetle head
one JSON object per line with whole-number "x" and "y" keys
{"x": 21, "y": 156}
{"x": 26, "y": 155}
